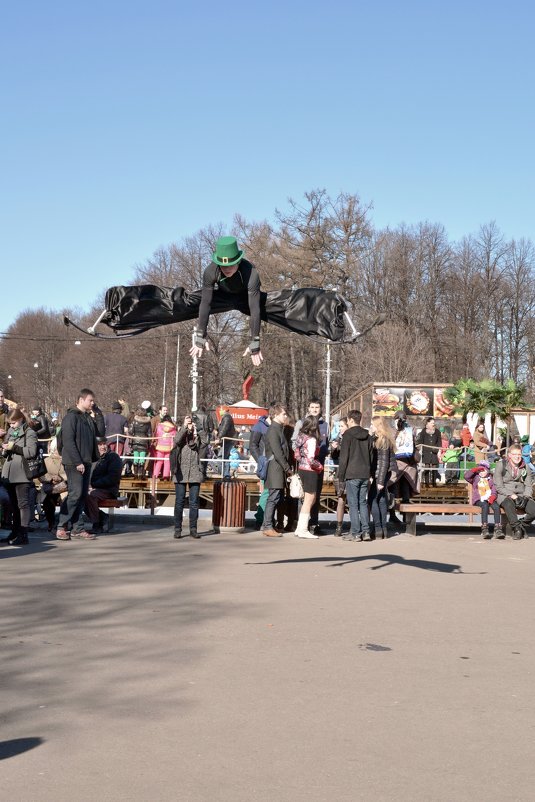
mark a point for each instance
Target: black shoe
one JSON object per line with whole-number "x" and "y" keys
{"x": 20, "y": 540}
{"x": 518, "y": 532}
{"x": 178, "y": 534}
{"x": 318, "y": 531}
{"x": 194, "y": 533}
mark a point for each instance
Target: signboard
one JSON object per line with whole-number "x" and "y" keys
{"x": 242, "y": 416}
{"x": 442, "y": 408}
{"x": 419, "y": 401}
{"x": 387, "y": 401}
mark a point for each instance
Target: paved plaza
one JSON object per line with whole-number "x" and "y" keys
{"x": 238, "y": 668}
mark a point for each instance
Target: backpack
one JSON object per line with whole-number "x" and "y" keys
{"x": 262, "y": 466}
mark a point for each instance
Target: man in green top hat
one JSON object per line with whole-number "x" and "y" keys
{"x": 231, "y": 274}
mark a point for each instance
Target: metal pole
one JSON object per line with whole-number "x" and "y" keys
{"x": 194, "y": 375}
{"x": 164, "y": 373}
{"x": 328, "y": 388}
{"x": 176, "y": 375}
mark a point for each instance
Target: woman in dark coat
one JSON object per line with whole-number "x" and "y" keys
{"x": 186, "y": 471}
{"x": 20, "y": 442}
{"x": 430, "y": 440}
{"x": 384, "y": 469}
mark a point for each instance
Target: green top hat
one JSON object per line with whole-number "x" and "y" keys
{"x": 227, "y": 252}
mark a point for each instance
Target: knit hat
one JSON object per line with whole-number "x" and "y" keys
{"x": 484, "y": 464}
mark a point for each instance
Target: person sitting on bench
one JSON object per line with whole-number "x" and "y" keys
{"x": 484, "y": 495}
{"x": 105, "y": 481}
{"x": 514, "y": 483}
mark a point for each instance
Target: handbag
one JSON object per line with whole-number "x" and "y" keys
{"x": 296, "y": 486}
{"x": 34, "y": 467}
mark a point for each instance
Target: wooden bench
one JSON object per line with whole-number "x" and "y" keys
{"x": 410, "y": 511}
{"x": 112, "y": 504}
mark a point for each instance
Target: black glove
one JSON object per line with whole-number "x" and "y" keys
{"x": 198, "y": 341}
{"x": 17, "y": 450}
{"x": 254, "y": 345}
{"x": 521, "y": 502}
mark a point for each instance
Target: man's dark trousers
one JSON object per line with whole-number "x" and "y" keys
{"x": 271, "y": 505}
{"x": 72, "y": 506}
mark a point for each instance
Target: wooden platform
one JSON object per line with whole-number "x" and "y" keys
{"x": 149, "y": 494}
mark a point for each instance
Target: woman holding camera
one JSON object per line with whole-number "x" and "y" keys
{"x": 20, "y": 443}
{"x": 186, "y": 470}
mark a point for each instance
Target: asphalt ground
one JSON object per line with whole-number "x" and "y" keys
{"x": 237, "y": 667}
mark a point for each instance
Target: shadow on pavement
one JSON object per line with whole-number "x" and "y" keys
{"x": 385, "y": 559}
{"x": 17, "y": 746}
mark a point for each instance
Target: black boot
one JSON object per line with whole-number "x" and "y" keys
{"x": 21, "y": 539}
{"x": 339, "y": 531}
{"x": 193, "y": 532}
{"x": 178, "y": 534}
{"x": 518, "y": 532}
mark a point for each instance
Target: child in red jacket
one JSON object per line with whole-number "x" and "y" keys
{"x": 484, "y": 495}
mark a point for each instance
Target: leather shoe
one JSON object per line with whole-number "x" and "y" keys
{"x": 194, "y": 533}
{"x": 178, "y": 534}
{"x": 271, "y": 533}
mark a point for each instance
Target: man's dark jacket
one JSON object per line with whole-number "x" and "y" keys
{"x": 107, "y": 473}
{"x": 276, "y": 446}
{"x": 356, "y": 454}
{"x": 78, "y": 433}
{"x": 226, "y": 427}
{"x": 115, "y": 423}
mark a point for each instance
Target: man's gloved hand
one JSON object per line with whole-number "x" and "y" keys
{"x": 254, "y": 349}
{"x": 199, "y": 344}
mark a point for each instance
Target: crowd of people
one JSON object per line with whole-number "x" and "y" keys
{"x": 77, "y": 464}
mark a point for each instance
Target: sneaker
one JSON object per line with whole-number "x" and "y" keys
{"x": 308, "y": 535}
{"x": 62, "y": 534}
{"x": 367, "y": 536}
{"x": 349, "y": 536}
{"x": 83, "y": 535}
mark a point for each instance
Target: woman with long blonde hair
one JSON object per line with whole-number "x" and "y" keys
{"x": 384, "y": 465}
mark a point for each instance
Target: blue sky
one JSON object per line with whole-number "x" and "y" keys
{"x": 127, "y": 126}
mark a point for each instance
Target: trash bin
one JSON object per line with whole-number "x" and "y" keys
{"x": 228, "y": 511}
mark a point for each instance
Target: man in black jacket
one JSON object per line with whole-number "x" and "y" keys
{"x": 276, "y": 450}
{"x": 226, "y": 435}
{"x": 354, "y": 469}
{"x": 79, "y": 430}
{"x": 105, "y": 481}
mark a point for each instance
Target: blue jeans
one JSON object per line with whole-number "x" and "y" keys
{"x": 180, "y": 494}
{"x": 357, "y": 492}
